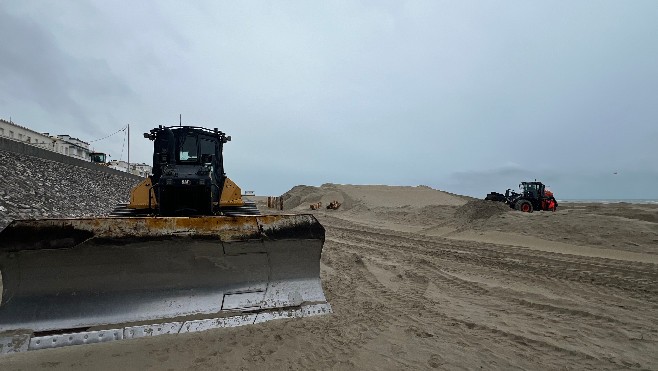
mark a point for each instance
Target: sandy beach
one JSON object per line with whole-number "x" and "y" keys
{"x": 423, "y": 279}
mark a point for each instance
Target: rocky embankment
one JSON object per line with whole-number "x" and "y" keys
{"x": 32, "y": 187}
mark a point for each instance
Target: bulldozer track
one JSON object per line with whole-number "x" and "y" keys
{"x": 249, "y": 208}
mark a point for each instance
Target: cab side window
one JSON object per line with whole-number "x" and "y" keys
{"x": 207, "y": 147}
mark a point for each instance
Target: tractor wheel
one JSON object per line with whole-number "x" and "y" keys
{"x": 524, "y": 206}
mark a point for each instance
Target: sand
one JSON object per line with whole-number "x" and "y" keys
{"x": 423, "y": 279}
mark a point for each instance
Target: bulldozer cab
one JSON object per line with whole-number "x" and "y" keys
{"x": 188, "y": 170}
{"x": 186, "y": 146}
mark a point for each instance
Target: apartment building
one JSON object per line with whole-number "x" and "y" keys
{"x": 142, "y": 170}
{"x": 63, "y": 144}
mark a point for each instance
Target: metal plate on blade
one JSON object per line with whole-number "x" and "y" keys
{"x": 208, "y": 324}
{"x": 133, "y": 332}
{"x": 63, "y": 340}
{"x": 243, "y": 301}
{"x": 14, "y": 343}
{"x": 23, "y": 342}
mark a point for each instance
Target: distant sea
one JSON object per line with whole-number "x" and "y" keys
{"x": 615, "y": 201}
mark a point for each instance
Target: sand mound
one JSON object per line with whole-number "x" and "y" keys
{"x": 301, "y": 196}
{"x": 369, "y": 196}
{"x": 479, "y": 209}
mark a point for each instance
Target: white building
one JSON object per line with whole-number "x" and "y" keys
{"x": 73, "y": 147}
{"x": 63, "y": 144}
{"x": 19, "y": 133}
{"x": 118, "y": 165}
{"x": 142, "y": 170}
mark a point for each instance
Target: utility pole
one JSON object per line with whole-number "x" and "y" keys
{"x": 129, "y": 149}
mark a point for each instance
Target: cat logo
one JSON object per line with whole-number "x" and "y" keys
{"x": 185, "y": 182}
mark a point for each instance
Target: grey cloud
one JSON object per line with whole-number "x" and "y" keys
{"x": 466, "y": 96}
{"x": 34, "y": 68}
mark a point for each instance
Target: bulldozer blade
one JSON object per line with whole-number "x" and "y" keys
{"x": 76, "y": 281}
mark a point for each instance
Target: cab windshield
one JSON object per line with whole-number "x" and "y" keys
{"x": 530, "y": 188}
{"x": 188, "y": 149}
{"x": 98, "y": 157}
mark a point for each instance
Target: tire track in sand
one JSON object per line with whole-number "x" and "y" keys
{"x": 423, "y": 255}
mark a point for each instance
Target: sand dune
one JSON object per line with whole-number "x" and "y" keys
{"x": 369, "y": 196}
{"x": 422, "y": 279}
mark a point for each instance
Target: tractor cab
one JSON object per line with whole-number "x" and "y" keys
{"x": 534, "y": 190}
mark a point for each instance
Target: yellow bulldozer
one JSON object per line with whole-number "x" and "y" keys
{"x": 187, "y": 253}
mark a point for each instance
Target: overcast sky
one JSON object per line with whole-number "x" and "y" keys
{"x": 463, "y": 96}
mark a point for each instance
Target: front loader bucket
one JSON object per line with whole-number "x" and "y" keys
{"x": 75, "y": 281}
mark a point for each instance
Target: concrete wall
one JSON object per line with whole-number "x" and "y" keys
{"x": 14, "y": 146}
{"x": 35, "y": 187}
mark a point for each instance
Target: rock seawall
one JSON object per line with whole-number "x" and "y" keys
{"x": 33, "y": 187}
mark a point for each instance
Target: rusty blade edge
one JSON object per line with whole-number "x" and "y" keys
{"x": 66, "y": 233}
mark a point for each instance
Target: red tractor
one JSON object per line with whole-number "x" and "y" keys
{"x": 533, "y": 196}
